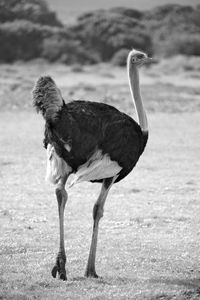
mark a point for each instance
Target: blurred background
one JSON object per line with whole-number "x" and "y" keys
{"x": 61, "y": 36}
{"x": 68, "y": 32}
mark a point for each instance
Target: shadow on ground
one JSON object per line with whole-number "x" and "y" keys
{"x": 192, "y": 286}
{"x": 188, "y": 283}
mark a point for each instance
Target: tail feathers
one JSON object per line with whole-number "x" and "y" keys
{"x": 47, "y": 98}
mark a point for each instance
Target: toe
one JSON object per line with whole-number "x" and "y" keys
{"x": 63, "y": 276}
{"x": 91, "y": 274}
{"x": 54, "y": 271}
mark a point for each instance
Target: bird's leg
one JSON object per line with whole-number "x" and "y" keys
{"x": 61, "y": 196}
{"x": 97, "y": 215}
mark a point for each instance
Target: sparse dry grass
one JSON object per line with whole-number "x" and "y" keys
{"x": 166, "y": 86}
{"x": 149, "y": 237}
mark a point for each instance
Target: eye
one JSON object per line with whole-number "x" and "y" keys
{"x": 133, "y": 59}
{"x": 140, "y": 56}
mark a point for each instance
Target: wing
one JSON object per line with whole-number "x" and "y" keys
{"x": 78, "y": 131}
{"x": 84, "y": 128}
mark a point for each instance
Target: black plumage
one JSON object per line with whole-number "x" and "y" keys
{"x": 87, "y": 126}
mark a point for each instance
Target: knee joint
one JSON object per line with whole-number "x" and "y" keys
{"x": 97, "y": 211}
{"x": 61, "y": 195}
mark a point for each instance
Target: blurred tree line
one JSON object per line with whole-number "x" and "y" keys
{"x": 29, "y": 30}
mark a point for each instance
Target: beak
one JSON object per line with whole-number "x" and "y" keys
{"x": 147, "y": 60}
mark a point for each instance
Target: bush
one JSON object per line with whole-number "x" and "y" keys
{"x": 127, "y": 12}
{"x": 23, "y": 40}
{"x": 20, "y": 40}
{"x": 105, "y": 32}
{"x": 61, "y": 47}
{"x": 189, "y": 45}
{"x": 35, "y": 11}
{"x": 54, "y": 47}
{"x": 174, "y": 28}
{"x": 29, "y": 30}
{"x": 120, "y": 57}
{"x": 184, "y": 44}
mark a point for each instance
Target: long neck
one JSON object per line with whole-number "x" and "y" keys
{"x": 133, "y": 76}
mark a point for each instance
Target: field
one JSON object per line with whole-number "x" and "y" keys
{"x": 148, "y": 247}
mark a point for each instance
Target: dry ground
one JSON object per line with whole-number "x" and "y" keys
{"x": 149, "y": 244}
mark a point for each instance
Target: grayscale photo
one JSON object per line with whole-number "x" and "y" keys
{"x": 100, "y": 150}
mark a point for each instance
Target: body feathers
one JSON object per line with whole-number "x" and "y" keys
{"x": 88, "y": 135}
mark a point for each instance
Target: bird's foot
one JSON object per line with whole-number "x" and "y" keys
{"x": 62, "y": 274}
{"x": 59, "y": 268}
{"x": 91, "y": 273}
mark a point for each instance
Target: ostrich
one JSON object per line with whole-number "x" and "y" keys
{"x": 89, "y": 141}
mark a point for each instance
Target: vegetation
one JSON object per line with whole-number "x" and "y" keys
{"x": 35, "y": 11}
{"x": 107, "y": 31}
{"x": 120, "y": 57}
{"x": 175, "y": 29}
{"x": 28, "y": 30}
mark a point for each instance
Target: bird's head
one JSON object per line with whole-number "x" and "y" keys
{"x": 137, "y": 58}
